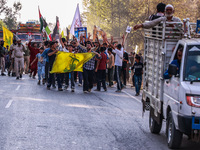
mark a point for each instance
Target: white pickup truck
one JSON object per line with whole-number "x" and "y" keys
{"x": 176, "y": 100}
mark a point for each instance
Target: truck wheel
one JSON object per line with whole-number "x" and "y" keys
{"x": 153, "y": 125}
{"x": 174, "y": 137}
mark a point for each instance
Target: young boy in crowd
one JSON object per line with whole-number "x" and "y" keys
{"x": 137, "y": 69}
{"x": 41, "y": 66}
{"x": 52, "y": 55}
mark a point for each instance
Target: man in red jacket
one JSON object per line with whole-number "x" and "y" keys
{"x": 33, "y": 52}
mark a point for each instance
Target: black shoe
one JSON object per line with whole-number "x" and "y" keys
{"x": 97, "y": 90}
{"x": 20, "y": 75}
{"x": 17, "y": 78}
{"x": 3, "y": 74}
{"x": 43, "y": 81}
{"x": 33, "y": 77}
{"x": 118, "y": 91}
{"x": 8, "y": 73}
{"x": 38, "y": 82}
{"x": 137, "y": 94}
{"x": 30, "y": 75}
{"x": 105, "y": 90}
{"x": 54, "y": 86}
{"x": 72, "y": 90}
{"x": 60, "y": 89}
{"x": 13, "y": 74}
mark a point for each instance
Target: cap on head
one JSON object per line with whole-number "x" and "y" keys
{"x": 169, "y": 6}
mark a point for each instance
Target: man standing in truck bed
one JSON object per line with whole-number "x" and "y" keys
{"x": 169, "y": 12}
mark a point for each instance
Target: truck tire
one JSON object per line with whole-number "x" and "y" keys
{"x": 174, "y": 137}
{"x": 153, "y": 125}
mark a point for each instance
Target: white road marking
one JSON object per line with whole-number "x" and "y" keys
{"x": 17, "y": 87}
{"x": 9, "y": 104}
{"x": 131, "y": 96}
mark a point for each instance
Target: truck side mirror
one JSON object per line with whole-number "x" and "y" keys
{"x": 172, "y": 70}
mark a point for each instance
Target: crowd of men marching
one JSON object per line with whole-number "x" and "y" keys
{"x": 110, "y": 64}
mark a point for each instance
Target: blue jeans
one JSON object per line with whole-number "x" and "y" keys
{"x": 41, "y": 72}
{"x": 138, "y": 81}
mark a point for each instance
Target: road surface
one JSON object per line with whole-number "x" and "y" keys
{"x": 34, "y": 118}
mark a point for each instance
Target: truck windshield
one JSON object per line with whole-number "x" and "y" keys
{"x": 192, "y": 63}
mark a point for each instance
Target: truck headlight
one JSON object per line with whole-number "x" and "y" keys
{"x": 193, "y": 100}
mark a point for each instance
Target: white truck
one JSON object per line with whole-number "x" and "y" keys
{"x": 176, "y": 100}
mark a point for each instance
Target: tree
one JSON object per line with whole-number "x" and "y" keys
{"x": 113, "y": 16}
{"x": 10, "y": 13}
{"x": 2, "y": 24}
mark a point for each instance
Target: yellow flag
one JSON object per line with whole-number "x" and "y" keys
{"x": 68, "y": 62}
{"x": 7, "y": 37}
{"x": 62, "y": 34}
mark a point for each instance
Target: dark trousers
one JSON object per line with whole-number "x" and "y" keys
{"x": 118, "y": 77}
{"x": 46, "y": 71}
{"x": 138, "y": 82}
{"x": 75, "y": 74}
{"x": 110, "y": 76}
{"x": 87, "y": 79}
{"x": 101, "y": 79}
{"x": 66, "y": 77}
{"x": 80, "y": 77}
{"x": 51, "y": 78}
{"x": 124, "y": 75}
{"x": 58, "y": 77}
{"x": 133, "y": 80}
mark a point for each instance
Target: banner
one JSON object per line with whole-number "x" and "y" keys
{"x": 44, "y": 27}
{"x": 68, "y": 62}
{"x": 56, "y": 29}
{"x": 7, "y": 37}
{"x": 80, "y": 31}
{"x": 76, "y": 21}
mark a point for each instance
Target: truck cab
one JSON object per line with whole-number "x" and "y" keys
{"x": 172, "y": 82}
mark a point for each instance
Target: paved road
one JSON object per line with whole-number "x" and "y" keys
{"x": 33, "y": 118}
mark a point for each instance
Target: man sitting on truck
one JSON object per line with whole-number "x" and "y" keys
{"x": 176, "y": 62}
{"x": 169, "y": 11}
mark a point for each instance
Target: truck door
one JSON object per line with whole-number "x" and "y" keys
{"x": 171, "y": 85}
